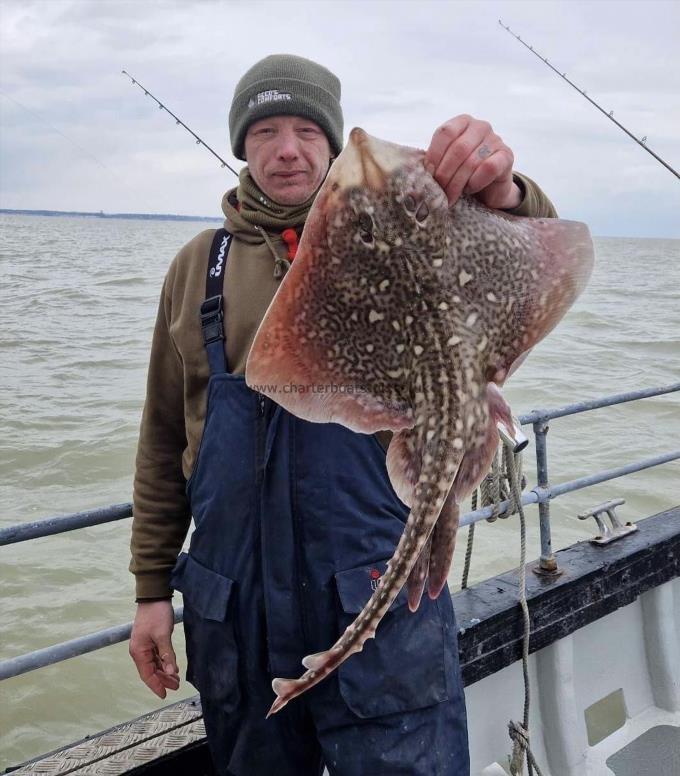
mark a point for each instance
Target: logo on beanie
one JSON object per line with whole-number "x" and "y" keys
{"x": 271, "y": 95}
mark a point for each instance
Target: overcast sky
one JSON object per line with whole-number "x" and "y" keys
{"x": 75, "y": 135}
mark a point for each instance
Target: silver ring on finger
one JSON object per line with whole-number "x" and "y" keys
{"x": 484, "y": 152}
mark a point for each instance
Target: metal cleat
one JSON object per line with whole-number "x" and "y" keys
{"x": 617, "y": 530}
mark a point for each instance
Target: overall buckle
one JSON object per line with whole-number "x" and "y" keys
{"x": 212, "y": 318}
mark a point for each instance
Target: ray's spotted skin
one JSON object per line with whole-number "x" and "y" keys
{"x": 400, "y": 313}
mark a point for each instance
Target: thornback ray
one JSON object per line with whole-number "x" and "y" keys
{"x": 401, "y": 313}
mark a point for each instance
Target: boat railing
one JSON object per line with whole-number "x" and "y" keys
{"x": 542, "y": 494}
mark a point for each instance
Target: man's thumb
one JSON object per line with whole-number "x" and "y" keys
{"x": 167, "y": 655}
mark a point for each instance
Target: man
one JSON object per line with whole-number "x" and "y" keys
{"x": 294, "y": 520}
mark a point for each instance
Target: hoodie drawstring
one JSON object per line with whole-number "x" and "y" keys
{"x": 289, "y": 236}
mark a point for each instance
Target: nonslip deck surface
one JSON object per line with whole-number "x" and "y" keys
{"x": 655, "y": 753}
{"x": 159, "y": 741}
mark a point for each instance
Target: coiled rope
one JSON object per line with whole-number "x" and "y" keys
{"x": 493, "y": 489}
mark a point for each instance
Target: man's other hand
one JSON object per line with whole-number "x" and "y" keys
{"x": 151, "y": 646}
{"x": 467, "y": 157}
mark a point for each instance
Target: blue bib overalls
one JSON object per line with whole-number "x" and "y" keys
{"x": 294, "y": 524}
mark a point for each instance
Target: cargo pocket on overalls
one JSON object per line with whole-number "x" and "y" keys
{"x": 403, "y": 668}
{"x": 212, "y": 654}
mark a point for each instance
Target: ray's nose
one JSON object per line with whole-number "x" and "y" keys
{"x": 373, "y": 174}
{"x": 358, "y": 136}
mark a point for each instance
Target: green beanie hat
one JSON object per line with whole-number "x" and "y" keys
{"x": 290, "y": 85}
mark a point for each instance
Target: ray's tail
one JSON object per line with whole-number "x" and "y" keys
{"x": 429, "y": 494}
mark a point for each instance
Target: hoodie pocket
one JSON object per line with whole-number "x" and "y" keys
{"x": 403, "y": 668}
{"x": 212, "y": 653}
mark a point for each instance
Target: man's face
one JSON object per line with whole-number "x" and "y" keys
{"x": 288, "y": 157}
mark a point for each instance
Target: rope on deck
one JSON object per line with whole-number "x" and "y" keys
{"x": 520, "y": 734}
{"x": 505, "y": 482}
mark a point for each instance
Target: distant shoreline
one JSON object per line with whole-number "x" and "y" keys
{"x": 207, "y": 219}
{"x": 102, "y": 214}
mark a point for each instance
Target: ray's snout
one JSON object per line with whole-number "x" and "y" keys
{"x": 358, "y": 136}
{"x": 367, "y": 162}
{"x": 372, "y": 173}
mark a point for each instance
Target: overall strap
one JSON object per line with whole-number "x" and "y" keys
{"x": 212, "y": 309}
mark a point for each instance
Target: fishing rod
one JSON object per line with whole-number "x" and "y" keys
{"x": 44, "y": 121}
{"x": 179, "y": 121}
{"x": 582, "y": 92}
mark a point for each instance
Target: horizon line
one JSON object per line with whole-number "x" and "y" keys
{"x": 180, "y": 217}
{"x": 103, "y": 214}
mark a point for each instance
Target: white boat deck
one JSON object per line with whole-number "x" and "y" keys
{"x": 605, "y": 699}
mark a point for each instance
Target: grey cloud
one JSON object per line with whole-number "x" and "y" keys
{"x": 405, "y": 68}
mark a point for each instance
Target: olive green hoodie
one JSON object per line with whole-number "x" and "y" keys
{"x": 175, "y": 407}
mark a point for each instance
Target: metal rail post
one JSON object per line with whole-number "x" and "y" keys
{"x": 547, "y": 565}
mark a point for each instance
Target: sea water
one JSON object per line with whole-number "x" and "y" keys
{"x": 78, "y": 302}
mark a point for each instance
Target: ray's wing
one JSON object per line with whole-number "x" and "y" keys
{"x": 313, "y": 352}
{"x": 542, "y": 280}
